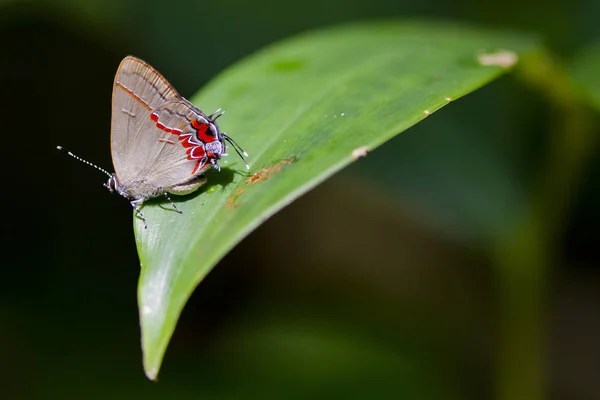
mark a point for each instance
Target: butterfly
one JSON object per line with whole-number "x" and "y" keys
{"x": 161, "y": 143}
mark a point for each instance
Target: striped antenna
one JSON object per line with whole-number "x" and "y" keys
{"x": 83, "y": 161}
{"x": 213, "y": 117}
{"x": 240, "y": 152}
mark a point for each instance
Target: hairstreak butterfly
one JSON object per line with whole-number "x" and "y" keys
{"x": 160, "y": 142}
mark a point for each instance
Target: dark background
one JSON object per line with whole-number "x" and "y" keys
{"x": 388, "y": 281}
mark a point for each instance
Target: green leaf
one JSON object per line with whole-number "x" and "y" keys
{"x": 303, "y": 108}
{"x": 586, "y": 72}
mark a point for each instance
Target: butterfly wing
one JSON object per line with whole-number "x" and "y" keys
{"x": 154, "y": 132}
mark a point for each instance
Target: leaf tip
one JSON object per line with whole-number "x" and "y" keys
{"x": 156, "y": 332}
{"x": 151, "y": 373}
{"x": 152, "y": 358}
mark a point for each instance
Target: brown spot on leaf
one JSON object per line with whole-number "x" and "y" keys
{"x": 231, "y": 202}
{"x": 267, "y": 172}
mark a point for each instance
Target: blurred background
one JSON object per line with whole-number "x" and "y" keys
{"x": 474, "y": 273}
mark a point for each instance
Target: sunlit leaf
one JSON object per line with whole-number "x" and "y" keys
{"x": 303, "y": 108}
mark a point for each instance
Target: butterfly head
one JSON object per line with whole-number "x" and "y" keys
{"x": 219, "y": 147}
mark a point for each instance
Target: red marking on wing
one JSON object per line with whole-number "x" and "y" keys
{"x": 194, "y": 149}
{"x": 198, "y": 126}
{"x": 135, "y": 96}
{"x": 174, "y": 131}
{"x": 161, "y": 126}
{"x": 202, "y": 129}
{"x": 200, "y": 166}
{"x": 196, "y": 152}
{"x": 185, "y": 141}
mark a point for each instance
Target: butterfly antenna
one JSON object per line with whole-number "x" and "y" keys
{"x": 212, "y": 116}
{"x": 83, "y": 161}
{"x": 240, "y": 152}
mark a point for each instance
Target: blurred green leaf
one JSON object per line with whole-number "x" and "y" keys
{"x": 586, "y": 72}
{"x": 303, "y": 109}
{"x": 320, "y": 356}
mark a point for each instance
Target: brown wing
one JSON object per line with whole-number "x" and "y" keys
{"x": 148, "y": 119}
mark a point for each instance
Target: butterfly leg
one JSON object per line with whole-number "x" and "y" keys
{"x": 171, "y": 201}
{"x": 136, "y": 206}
